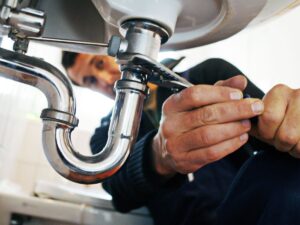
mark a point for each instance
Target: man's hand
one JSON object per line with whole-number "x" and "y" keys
{"x": 279, "y": 125}
{"x": 203, "y": 124}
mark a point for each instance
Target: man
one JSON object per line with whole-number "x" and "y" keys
{"x": 96, "y": 72}
{"x": 100, "y": 72}
{"x": 205, "y": 130}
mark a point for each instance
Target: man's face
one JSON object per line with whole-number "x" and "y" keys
{"x": 96, "y": 72}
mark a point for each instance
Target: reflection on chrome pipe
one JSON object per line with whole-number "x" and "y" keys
{"x": 42, "y": 75}
{"x": 121, "y": 136}
{"x": 59, "y": 119}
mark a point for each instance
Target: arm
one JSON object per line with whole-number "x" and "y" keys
{"x": 212, "y": 71}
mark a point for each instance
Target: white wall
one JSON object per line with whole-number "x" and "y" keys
{"x": 268, "y": 54}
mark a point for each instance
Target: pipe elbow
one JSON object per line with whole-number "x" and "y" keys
{"x": 93, "y": 169}
{"x": 76, "y": 167}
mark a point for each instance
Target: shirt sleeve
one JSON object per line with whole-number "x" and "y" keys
{"x": 213, "y": 70}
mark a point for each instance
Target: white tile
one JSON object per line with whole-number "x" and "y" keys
{"x": 24, "y": 174}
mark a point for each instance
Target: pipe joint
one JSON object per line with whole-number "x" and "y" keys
{"x": 61, "y": 117}
{"x": 132, "y": 85}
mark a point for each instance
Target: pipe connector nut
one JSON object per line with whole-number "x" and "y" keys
{"x": 60, "y": 117}
{"x": 132, "y": 85}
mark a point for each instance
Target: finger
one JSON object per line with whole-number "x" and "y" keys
{"x": 288, "y": 133}
{"x": 295, "y": 152}
{"x": 200, "y": 95}
{"x": 275, "y": 104}
{"x": 239, "y": 82}
{"x": 213, "y": 153}
{"x": 216, "y": 114}
{"x": 207, "y": 136}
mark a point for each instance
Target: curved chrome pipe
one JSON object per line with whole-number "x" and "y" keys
{"x": 59, "y": 119}
{"x": 121, "y": 136}
{"x": 42, "y": 75}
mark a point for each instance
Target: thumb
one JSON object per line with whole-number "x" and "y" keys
{"x": 238, "y": 82}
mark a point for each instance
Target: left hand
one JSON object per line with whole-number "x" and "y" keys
{"x": 279, "y": 125}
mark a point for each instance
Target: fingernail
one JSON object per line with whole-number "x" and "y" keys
{"x": 246, "y": 123}
{"x": 244, "y": 137}
{"x": 257, "y": 107}
{"x": 236, "y": 95}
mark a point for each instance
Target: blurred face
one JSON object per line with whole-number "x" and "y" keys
{"x": 97, "y": 72}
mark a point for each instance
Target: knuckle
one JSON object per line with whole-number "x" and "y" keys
{"x": 287, "y": 138}
{"x": 208, "y": 114}
{"x": 169, "y": 146}
{"x": 211, "y": 156}
{"x": 269, "y": 117}
{"x": 296, "y": 94}
{"x": 166, "y": 129}
{"x": 204, "y": 137}
{"x": 191, "y": 118}
{"x": 194, "y": 118}
{"x": 166, "y": 107}
{"x": 241, "y": 107}
{"x": 279, "y": 88}
{"x": 191, "y": 94}
{"x": 223, "y": 110}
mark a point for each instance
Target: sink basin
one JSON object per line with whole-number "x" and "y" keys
{"x": 190, "y": 23}
{"x": 193, "y": 23}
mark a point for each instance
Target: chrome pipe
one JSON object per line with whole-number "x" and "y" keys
{"x": 59, "y": 119}
{"x": 37, "y": 73}
{"x": 121, "y": 136}
{"x": 144, "y": 37}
